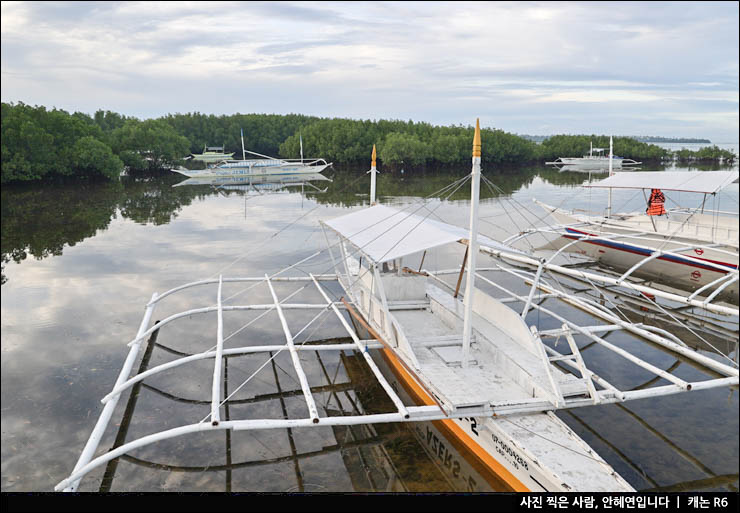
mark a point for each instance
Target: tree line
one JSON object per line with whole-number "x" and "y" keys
{"x": 40, "y": 144}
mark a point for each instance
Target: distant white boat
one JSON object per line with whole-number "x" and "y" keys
{"x": 598, "y": 161}
{"x": 265, "y": 165}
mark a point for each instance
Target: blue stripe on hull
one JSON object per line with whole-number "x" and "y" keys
{"x": 646, "y": 252}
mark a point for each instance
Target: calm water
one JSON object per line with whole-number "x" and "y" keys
{"x": 79, "y": 263}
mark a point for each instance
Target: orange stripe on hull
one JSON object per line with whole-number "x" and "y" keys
{"x": 448, "y": 427}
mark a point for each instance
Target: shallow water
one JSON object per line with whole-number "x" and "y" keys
{"x": 79, "y": 263}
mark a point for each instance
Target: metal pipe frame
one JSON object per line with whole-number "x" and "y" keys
{"x": 707, "y": 362}
{"x": 642, "y": 363}
{"x": 363, "y": 350}
{"x": 274, "y": 277}
{"x": 218, "y": 361}
{"x": 612, "y": 281}
{"x": 310, "y": 403}
{"x": 614, "y": 236}
{"x": 188, "y": 313}
{"x": 97, "y": 433}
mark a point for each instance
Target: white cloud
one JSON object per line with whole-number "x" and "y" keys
{"x": 406, "y": 60}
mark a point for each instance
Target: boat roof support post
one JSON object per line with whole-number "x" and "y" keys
{"x": 343, "y": 251}
{"x": 310, "y": 403}
{"x": 97, "y": 432}
{"x": 218, "y": 361}
{"x": 423, "y": 256}
{"x": 381, "y": 291}
{"x": 331, "y": 254}
{"x": 462, "y": 270}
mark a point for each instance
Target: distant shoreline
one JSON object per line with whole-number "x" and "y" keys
{"x": 645, "y": 139}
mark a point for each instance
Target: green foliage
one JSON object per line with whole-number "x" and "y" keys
{"x": 707, "y": 153}
{"x": 92, "y": 157}
{"x": 263, "y": 133}
{"x": 38, "y": 144}
{"x": 151, "y": 145}
{"x": 405, "y": 145}
{"x": 400, "y": 148}
{"x": 579, "y": 145}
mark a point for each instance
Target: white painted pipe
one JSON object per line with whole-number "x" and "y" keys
{"x": 381, "y": 379}
{"x": 312, "y": 410}
{"x": 105, "y": 415}
{"x": 216, "y": 385}
{"x": 611, "y": 281}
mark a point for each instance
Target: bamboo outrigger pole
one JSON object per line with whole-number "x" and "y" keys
{"x": 472, "y": 245}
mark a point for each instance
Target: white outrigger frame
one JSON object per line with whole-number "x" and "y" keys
{"x": 709, "y": 303}
{"x": 650, "y": 243}
{"x": 556, "y": 399}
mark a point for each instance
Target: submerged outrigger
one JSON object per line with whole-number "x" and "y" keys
{"x": 471, "y": 363}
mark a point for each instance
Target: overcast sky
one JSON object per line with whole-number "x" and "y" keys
{"x": 623, "y": 68}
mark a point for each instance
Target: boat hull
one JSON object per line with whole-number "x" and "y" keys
{"x": 504, "y": 446}
{"x": 599, "y": 163}
{"x": 702, "y": 267}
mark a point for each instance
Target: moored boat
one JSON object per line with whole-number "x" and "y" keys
{"x": 691, "y": 249}
{"x": 474, "y": 364}
{"x": 591, "y": 161}
{"x": 263, "y": 166}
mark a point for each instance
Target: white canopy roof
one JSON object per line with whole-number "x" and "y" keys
{"x": 384, "y": 233}
{"x": 686, "y": 181}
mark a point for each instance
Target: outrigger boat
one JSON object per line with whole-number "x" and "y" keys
{"x": 263, "y": 166}
{"x": 691, "y": 249}
{"x": 591, "y": 161}
{"x": 462, "y": 358}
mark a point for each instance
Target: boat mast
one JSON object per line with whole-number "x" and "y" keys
{"x": 300, "y": 137}
{"x": 372, "y": 172}
{"x": 244, "y": 154}
{"x": 472, "y": 246}
{"x": 611, "y": 156}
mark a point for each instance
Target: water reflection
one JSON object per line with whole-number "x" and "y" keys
{"x": 260, "y": 184}
{"x": 375, "y": 458}
{"x": 42, "y": 221}
{"x": 66, "y": 321}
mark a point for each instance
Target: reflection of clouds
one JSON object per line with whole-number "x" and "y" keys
{"x": 82, "y": 308}
{"x": 420, "y": 59}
